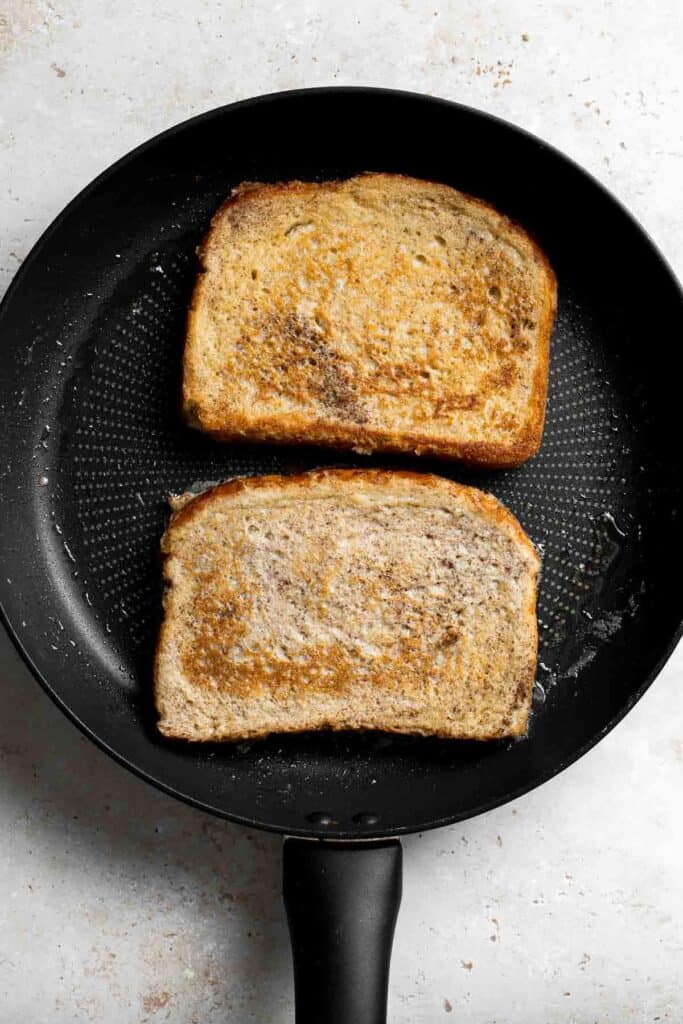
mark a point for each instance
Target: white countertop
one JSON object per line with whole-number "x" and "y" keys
{"x": 119, "y": 905}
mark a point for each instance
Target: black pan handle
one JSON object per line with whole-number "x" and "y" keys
{"x": 342, "y": 901}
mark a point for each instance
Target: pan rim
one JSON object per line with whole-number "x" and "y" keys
{"x": 255, "y": 821}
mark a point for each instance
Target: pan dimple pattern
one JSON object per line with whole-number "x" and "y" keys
{"x": 126, "y": 448}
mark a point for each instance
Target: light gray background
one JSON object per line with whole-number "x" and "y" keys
{"x": 116, "y": 903}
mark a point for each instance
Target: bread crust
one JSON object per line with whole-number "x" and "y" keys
{"x": 301, "y": 426}
{"x": 301, "y": 483}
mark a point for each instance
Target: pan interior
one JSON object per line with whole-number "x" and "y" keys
{"x": 99, "y": 444}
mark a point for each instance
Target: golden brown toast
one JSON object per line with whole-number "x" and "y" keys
{"x": 346, "y": 599}
{"x": 381, "y": 313}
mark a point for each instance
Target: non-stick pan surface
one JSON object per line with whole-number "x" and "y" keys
{"x": 91, "y": 334}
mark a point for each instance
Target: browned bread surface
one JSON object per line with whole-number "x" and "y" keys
{"x": 378, "y": 313}
{"x": 346, "y": 599}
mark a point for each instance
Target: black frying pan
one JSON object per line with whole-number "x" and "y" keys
{"x": 91, "y": 442}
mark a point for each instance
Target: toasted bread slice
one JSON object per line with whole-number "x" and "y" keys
{"x": 346, "y": 599}
{"x": 381, "y": 313}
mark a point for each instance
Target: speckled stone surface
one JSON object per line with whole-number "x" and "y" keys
{"x": 119, "y": 905}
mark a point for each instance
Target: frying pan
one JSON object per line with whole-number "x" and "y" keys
{"x": 92, "y": 442}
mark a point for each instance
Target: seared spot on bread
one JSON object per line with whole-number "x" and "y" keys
{"x": 303, "y": 361}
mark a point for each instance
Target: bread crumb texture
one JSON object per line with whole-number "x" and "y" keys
{"x": 378, "y": 313}
{"x": 346, "y": 599}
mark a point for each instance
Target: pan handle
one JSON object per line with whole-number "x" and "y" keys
{"x": 342, "y": 901}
